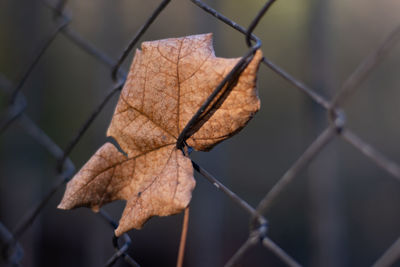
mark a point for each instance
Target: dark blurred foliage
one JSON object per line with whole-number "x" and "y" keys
{"x": 340, "y": 211}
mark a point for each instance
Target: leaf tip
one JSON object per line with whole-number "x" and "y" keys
{"x": 95, "y": 208}
{"x": 63, "y": 205}
{"x": 126, "y": 225}
{"x": 118, "y": 232}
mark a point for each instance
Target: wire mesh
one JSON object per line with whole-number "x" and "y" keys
{"x": 12, "y": 251}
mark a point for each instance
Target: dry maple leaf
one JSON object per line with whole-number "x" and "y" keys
{"x": 168, "y": 81}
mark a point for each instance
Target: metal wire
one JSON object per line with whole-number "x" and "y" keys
{"x": 12, "y": 252}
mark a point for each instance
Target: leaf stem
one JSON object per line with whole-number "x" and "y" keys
{"x": 182, "y": 243}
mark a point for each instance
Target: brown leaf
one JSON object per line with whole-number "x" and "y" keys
{"x": 168, "y": 81}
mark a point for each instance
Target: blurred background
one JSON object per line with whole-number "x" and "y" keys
{"x": 342, "y": 210}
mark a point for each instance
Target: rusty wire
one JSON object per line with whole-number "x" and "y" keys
{"x": 11, "y": 250}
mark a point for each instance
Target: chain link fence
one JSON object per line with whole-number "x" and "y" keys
{"x": 12, "y": 252}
